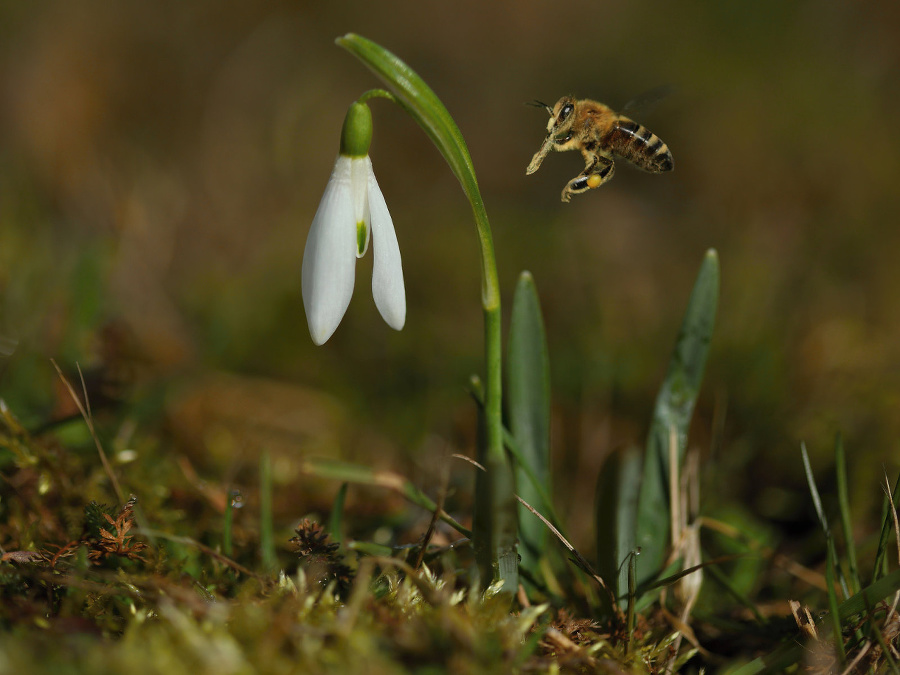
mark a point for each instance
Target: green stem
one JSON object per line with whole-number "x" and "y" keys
{"x": 229, "y": 520}
{"x": 496, "y": 506}
{"x": 376, "y": 93}
{"x": 266, "y": 525}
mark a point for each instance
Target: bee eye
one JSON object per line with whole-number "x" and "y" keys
{"x": 565, "y": 112}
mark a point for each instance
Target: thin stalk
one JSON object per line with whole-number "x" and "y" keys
{"x": 833, "y": 606}
{"x": 266, "y": 526}
{"x": 501, "y": 503}
{"x": 823, "y": 521}
{"x": 335, "y": 522}
{"x": 840, "y": 460}
{"x": 495, "y": 509}
{"x": 512, "y": 447}
{"x": 227, "y": 548}
{"x": 629, "y": 616}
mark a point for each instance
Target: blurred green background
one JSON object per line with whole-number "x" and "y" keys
{"x": 160, "y": 164}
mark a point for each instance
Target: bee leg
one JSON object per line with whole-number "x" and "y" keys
{"x": 599, "y": 171}
{"x": 540, "y": 155}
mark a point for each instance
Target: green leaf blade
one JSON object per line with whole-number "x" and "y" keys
{"x": 672, "y": 415}
{"x": 615, "y": 515}
{"x": 840, "y": 462}
{"x": 528, "y": 401}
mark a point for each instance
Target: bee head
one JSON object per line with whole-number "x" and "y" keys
{"x": 559, "y": 130}
{"x": 561, "y": 117}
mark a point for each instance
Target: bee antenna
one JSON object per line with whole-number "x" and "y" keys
{"x": 540, "y": 104}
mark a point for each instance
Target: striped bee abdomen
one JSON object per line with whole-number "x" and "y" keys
{"x": 640, "y": 146}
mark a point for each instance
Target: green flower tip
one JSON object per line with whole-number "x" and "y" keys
{"x": 356, "y": 135}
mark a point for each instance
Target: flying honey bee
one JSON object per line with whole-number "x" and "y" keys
{"x": 602, "y": 135}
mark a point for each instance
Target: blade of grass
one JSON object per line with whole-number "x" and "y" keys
{"x": 370, "y": 548}
{"x": 206, "y": 550}
{"x": 792, "y": 652}
{"x": 722, "y": 579}
{"x": 227, "y": 547}
{"x": 840, "y": 461}
{"x": 85, "y": 410}
{"x": 887, "y": 521}
{"x": 481, "y": 518}
{"x": 364, "y": 475}
{"x": 528, "y": 411}
{"x": 630, "y": 619}
{"x": 885, "y": 650}
{"x": 823, "y": 520}
{"x": 87, "y": 415}
{"x": 833, "y": 606}
{"x": 582, "y": 566}
{"x": 577, "y": 558}
{"x": 814, "y": 491}
{"x": 674, "y": 408}
{"x": 476, "y": 390}
{"x": 675, "y": 571}
{"x": 871, "y": 595}
{"x": 266, "y": 524}
{"x": 432, "y": 525}
{"x": 615, "y": 515}
{"x": 336, "y": 520}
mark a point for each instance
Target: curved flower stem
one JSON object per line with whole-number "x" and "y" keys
{"x": 495, "y": 527}
{"x": 377, "y": 93}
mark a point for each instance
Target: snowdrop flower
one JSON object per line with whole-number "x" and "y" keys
{"x": 352, "y": 212}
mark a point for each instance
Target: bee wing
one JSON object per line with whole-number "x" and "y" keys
{"x": 644, "y": 104}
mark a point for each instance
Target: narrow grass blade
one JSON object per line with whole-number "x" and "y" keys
{"x": 364, "y": 475}
{"x": 266, "y": 523}
{"x": 870, "y": 596}
{"x": 792, "y": 652}
{"x": 777, "y": 661}
{"x": 476, "y": 390}
{"x": 674, "y": 408}
{"x": 887, "y": 522}
{"x": 725, "y": 582}
{"x": 630, "y": 620}
{"x": 885, "y": 650}
{"x": 528, "y": 412}
{"x": 336, "y": 521}
{"x": 833, "y": 606}
{"x": 227, "y": 546}
{"x": 840, "y": 462}
{"x": 615, "y": 515}
{"x": 489, "y": 526}
{"x": 814, "y": 491}
{"x": 823, "y": 519}
{"x": 369, "y": 548}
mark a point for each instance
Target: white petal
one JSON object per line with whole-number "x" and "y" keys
{"x": 329, "y": 260}
{"x": 360, "y": 169}
{"x": 387, "y": 273}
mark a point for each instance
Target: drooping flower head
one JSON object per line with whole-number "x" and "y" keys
{"x": 351, "y": 213}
